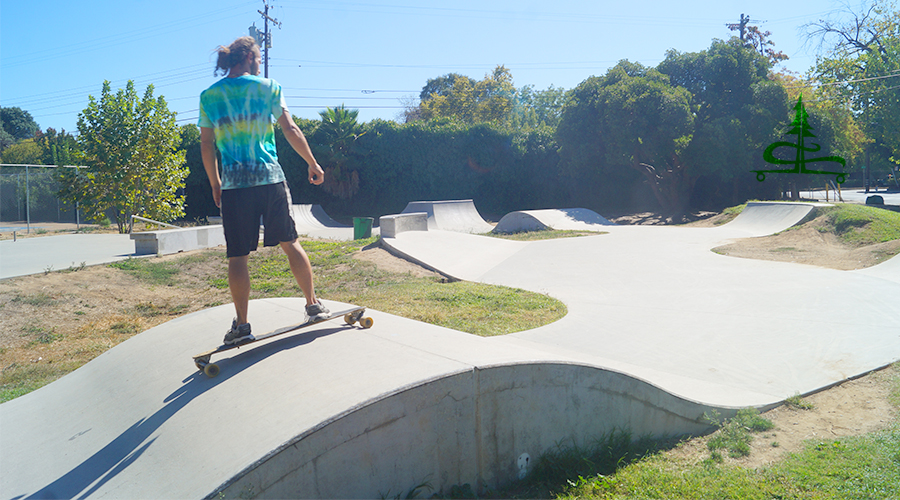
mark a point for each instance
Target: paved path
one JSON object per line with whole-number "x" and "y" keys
{"x": 36, "y": 255}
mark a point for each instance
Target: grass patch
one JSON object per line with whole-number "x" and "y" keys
{"x": 149, "y": 270}
{"x": 734, "y": 435}
{"x": 475, "y": 308}
{"x": 37, "y": 299}
{"x": 798, "y": 403}
{"x": 18, "y": 380}
{"x": 568, "y": 464}
{"x": 861, "y": 225}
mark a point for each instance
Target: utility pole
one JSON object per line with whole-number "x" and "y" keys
{"x": 742, "y": 26}
{"x": 267, "y": 36}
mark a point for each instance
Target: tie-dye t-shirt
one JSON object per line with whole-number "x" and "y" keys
{"x": 241, "y": 112}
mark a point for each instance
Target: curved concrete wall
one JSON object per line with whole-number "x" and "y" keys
{"x": 471, "y": 427}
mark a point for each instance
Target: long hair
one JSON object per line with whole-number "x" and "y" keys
{"x": 234, "y": 54}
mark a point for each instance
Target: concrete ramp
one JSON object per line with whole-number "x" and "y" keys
{"x": 333, "y": 412}
{"x": 313, "y": 217}
{"x": 313, "y": 221}
{"x": 459, "y": 216}
{"x": 764, "y": 218}
{"x": 567, "y": 219}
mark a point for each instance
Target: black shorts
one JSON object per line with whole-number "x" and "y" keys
{"x": 241, "y": 212}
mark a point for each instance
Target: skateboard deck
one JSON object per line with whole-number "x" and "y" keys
{"x": 351, "y": 316}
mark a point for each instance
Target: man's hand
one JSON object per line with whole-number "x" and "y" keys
{"x": 298, "y": 141}
{"x": 211, "y": 162}
{"x": 217, "y": 195}
{"x": 316, "y": 174}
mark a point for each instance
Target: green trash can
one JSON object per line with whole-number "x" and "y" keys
{"x": 362, "y": 227}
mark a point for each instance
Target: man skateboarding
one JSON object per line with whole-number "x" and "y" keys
{"x": 236, "y": 116}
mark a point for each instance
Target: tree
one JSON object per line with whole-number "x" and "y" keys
{"x": 337, "y": 133}
{"x": 25, "y": 152}
{"x": 6, "y": 139}
{"x": 459, "y": 97}
{"x": 739, "y": 110}
{"x": 130, "y": 147}
{"x": 633, "y": 117}
{"x": 537, "y": 108}
{"x": 759, "y": 41}
{"x": 57, "y": 148}
{"x": 18, "y": 123}
{"x": 861, "y": 66}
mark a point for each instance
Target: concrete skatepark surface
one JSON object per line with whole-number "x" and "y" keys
{"x": 659, "y": 330}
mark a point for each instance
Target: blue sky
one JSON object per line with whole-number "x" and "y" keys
{"x": 366, "y": 54}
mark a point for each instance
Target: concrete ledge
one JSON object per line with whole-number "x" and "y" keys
{"x": 392, "y": 225}
{"x": 168, "y": 241}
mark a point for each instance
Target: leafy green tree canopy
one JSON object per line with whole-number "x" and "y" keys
{"x": 57, "y": 148}
{"x": 861, "y": 65}
{"x": 130, "y": 146}
{"x": 25, "y": 152}
{"x": 18, "y": 123}
{"x": 462, "y": 98}
{"x": 632, "y": 117}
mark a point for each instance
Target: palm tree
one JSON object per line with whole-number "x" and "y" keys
{"x": 338, "y": 131}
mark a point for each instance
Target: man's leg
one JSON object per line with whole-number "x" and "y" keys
{"x": 301, "y": 268}
{"x": 239, "y": 284}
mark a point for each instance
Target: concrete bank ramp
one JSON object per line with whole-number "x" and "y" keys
{"x": 313, "y": 221}
{"x": 567, "y": 219}
{"x": 451, "y": 215}
{"x": 333, "y": 412}
{"x": 764, "y": 218}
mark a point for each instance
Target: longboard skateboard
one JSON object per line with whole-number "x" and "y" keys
{"x": 351, "y": 317}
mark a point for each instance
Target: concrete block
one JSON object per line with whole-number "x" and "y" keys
{"x": 168, "y": 241}
{"x": 392, "y": 225}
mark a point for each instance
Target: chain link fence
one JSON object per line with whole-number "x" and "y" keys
{"x": 28, "y": 193}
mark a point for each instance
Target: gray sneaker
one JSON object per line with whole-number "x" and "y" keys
{"x": 238, "y": 333}
{"x": 317, "y": 311}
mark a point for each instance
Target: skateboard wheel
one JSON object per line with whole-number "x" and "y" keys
{"x": 349, "y": 319}
{"x": 211, "y": 370}
{"x": 366, "y": 322}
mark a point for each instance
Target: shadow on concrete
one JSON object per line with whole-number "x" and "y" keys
{"x": 114, "y": 458}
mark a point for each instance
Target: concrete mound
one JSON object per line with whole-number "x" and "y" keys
{"x": 567, "y": 219}
{"x": 332, "y": 412}
{"x": 451, "y": 215}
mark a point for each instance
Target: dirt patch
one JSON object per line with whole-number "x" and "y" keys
{"x": 852, "y": 408}
{"x": 75, "y": 315}
{"x": 385, "y": 261}
{"x": 813, "y": 244}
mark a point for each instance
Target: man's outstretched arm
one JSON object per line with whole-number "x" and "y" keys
{"x": 297, "y": 140}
